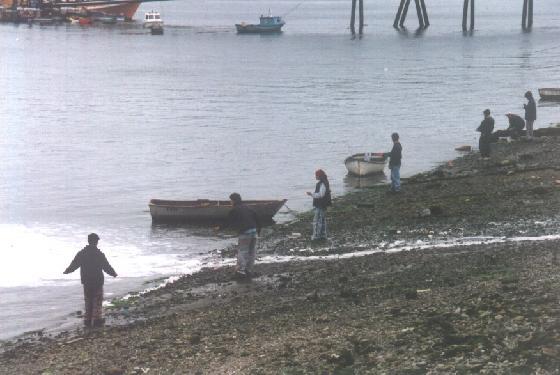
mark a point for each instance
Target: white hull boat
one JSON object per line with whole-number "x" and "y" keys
{"x": 364, "y": 164}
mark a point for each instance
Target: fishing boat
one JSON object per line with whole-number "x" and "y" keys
{"x": 118, "y": 8}
{"x": 153, "y": 19}
{"x": 365, "y": 164}
{"x": 549, "y": 93}
{"x": 207, "y": 211}
{"x": 267, "y": 24}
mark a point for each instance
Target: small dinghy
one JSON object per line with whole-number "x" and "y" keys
{"x": 207, "y": 211}
{"x": 549, "y": 93}
{"x": 365, "y": 164}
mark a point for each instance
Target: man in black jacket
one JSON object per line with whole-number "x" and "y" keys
{"x": 516, "y": 124}
{"x": 486, "y": 127}
{"x": 530, "y": 113}
{"x": 395, "y": 163}
{"x": 246, "y": 222}
{"x": 92, "y": 262}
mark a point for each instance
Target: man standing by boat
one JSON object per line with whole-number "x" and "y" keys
{"x": 486, "y": 127}
{"x": 395, "y": 163}
{"x": 92, "y": 262}
{"x": 530, "y": 113}
{"x": 246, "y": 222}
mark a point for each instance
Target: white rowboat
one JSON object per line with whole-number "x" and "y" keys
{"x": 364, "y": 165}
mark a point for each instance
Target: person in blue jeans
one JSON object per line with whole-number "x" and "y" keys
{"x": 395, "y": 157}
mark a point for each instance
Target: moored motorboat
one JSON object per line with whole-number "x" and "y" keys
{"x": 153, "y": 19}
{"x": 365, "y": 164}
{"x": 267, "y": 24}
{"x": 207, "y": 211}
{"x": 549, "y": 93}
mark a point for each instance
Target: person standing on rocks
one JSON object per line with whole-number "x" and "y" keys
{"x": 395, "y": 163}
{"x": 246, "y": 222}
{"x": 486, "y": 127}
{"x": 321, "y": 200}
{"x": 92, "y": 262}
{"x": 530, "y": 113}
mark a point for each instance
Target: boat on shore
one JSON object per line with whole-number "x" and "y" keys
{"x": 267, "y": 24}
{"x": 549, "y": 93}
{"x": 207, "y": 211}
{"x": 365, "y": 164}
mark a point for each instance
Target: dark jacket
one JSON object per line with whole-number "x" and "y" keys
{"x": 326, "y": 200}
{"x": 395, "y": 155}
{"x": 516, "y": 122}
{"x": 486, "y": 127}
{"x": 243, "y": 218}
{"x": 530, "y": 110}
{"x": 91, "y": 262}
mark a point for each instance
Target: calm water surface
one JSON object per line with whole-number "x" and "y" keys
{"x": 96, "y": 121}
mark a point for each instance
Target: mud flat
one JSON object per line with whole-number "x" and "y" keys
{"x": 486, "y": 302}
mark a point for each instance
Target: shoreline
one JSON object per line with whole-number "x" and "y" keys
{"x": 451, "y": 201}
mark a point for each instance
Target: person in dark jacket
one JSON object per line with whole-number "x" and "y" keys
{"x": 486, "y": 127}
{"x": 516, "y": 124}
{"x": 395, "y": 157}
{"x": 246, "y": 222}
{"x": 321, "y": 200}
{"x": 92, "y": 262}
{"x": 530, "y": 113}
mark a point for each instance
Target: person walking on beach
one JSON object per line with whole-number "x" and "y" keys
{"x": 486, "y": 127}
{"x": 395, "y": 163}
{"x": 246, "y": 222}
{"x": 321, "y": 200}
{"x": 92, "y": 262}
{"x": 530, "y": 113}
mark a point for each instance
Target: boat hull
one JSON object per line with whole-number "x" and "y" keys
{"x": 358, "y": 166}
{"x": 120, "y": 9}
{"x": 549, "y": 93}
{"x": 258, "y": 29}
{"x": 207, "y": 211}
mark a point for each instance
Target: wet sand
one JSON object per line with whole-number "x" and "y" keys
{"x": 481, "y": 308}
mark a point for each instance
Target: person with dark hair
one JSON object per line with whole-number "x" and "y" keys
{"x": 321, "y": 200}
{"x": 92, "y": 262}
{"x": 246, "y": 222}
{"x": 530, "y": 113}
{"x": 516, "y": 124}
{"x": 395, "y": 163}
{"x": 486, "y": 127}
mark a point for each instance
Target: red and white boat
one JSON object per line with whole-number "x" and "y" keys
{"x": 118, "y": 8}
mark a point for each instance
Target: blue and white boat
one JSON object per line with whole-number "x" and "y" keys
{"x": 268, "y": 24}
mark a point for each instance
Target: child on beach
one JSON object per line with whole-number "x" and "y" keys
{"x": 92, "y": 262}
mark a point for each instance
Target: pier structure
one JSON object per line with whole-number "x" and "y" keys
{"x": 527, "y": 16}
{"x": 421, "y": 11}
{"x": 360, "y": 16}
{"x": 466, "y": 12}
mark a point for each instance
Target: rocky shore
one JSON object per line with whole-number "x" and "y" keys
{"x": 477, "y": 289}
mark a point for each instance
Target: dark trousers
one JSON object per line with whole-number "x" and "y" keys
{"x": 484, "y": 145}
{"x": 93, "y": 297}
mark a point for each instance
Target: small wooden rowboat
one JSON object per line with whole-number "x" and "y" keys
{"x": 207, "y": 211}
{"x": 365, "y": 164}
{"x": 549, "y": 93}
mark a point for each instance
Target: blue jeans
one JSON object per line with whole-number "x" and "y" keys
{"x": 319, "y": 224}
{"x": 396, "y": 178}
{"x": 246, "y": 252}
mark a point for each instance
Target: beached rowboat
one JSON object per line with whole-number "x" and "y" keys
{"x": 204, "y": 210}
{"x": 550, "y": 93}
{"x": 365, "y": 164}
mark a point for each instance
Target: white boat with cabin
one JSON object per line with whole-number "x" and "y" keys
{"x": 153, "y": 19}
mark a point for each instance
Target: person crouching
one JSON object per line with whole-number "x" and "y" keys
{"x": 92, "y": 262}
{"x": 246, "y": 222}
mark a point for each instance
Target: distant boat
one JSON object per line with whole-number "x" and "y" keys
{"x": 267, "y": 24}
{"x": 207, "y": 211}
{"x": 549, "y": 93}
{"x": 153, "y": 19}
{"x": 365, "y": 164}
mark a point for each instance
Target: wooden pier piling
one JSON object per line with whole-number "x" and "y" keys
{"x": 360, "y": 19}
{"x": 403, "y": 11}
{"x": 527, "y": 16}
{"x": 466, "y": 13}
